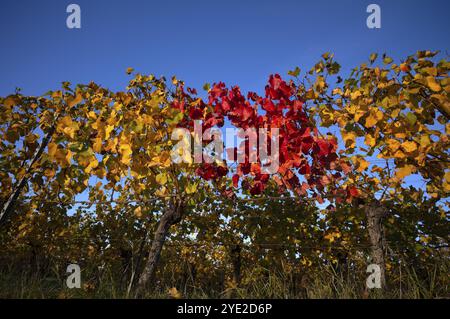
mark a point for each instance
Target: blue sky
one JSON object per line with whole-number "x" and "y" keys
{"x": 239, "y": 42}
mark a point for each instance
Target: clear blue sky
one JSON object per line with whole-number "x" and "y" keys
{"x": 239, "y": 42}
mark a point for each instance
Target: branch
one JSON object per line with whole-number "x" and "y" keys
{"x": 17, "y": 189}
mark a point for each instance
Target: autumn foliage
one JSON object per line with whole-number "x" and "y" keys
{"x": 303, "y": 151}
{"x": 86, "y": 176}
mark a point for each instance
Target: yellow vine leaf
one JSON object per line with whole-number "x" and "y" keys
{"x": 404, "y": 171}
{"x": 393, "y": 145}
{"x": 52, "y": 147}
{"x": 446, "y": 183}
{"x": 447, "y": 177}
{"x": 92, "y": 115}
{"x": 409, "y": 146}
{"x": 138, "y": 212}
{"x": 93, "y": 163}
{"x": 373, "y": 118}
{"x": 355, "y": 95}
{"x": 362, "y": 164}
{"x": 108, "y": 130}
{"x": 125, "y": 152}
{"x": 174, "y": 293}
{"x": 370, "y": 140}
{"x": 349, "y": 139}
{"x": 425, "y": 141}
{"x": 161, "y": 179}
{"x": 432, "y": 84}
{"x": 191, "y": 188}
{"x": 331, "y": 237}
{"x": 61, "y": 156}
{"x": 77, "y": 99}
{"x": 67, "y": 126}
{"x": 399, "y": 154}
{"x": 97, "y": 146}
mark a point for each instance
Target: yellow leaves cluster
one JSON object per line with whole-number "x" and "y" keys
{"x": 93, "y": 163}
{"x": 356, "y": 111}
{"x": 161, "y": 179}
{"x": 163, "y": 160}
{"x": 409, "y": 146}
{"x": 162, "y": 192}
{"x": 191, "y": 188}
{"x": 111, "y": 145}
{"x": 373, "y": 118}
{"x": 360, "y": 163}
{"x": 87, "y": 160}
{"x": 393, "y": 145}
{"x": 446, "y": 183}
{"x": 11, "y": 100}
{"x": 52, "y": 148}
{"x": 61, "y": 156}
{"x": 425, "y": 142}
{"x": 370, "y": 140}
{"x": 97, "y": 145}
{"x": 355, "y": 95}
{"x": 433, "y": 84}
{"x": 138, "y": 212}
{"x": 67, "y": 126}
{"x": 72, "y": 101}
{"x": 401, "y": 150}
{"x": 174, "y": 293}
{"x": 349, "y": 138}
{"x": 306, "y": 261}
{"x": 331, "y": 237}
{"x": 320, "y": 84}
{"x": 327, "y": 116}
{"x": 401, "y": 118}
{"x": 100, "y": 171}
{"x": 102, "y": 127}
{"x": 125, "y": 150}
{"x": 425, "y": 239}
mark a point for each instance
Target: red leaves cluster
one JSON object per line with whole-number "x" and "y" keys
{"x": 303, "y": 151}
{"x": 211, "y": 172}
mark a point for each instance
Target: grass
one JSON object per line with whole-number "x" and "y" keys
{"x": 258, "y": 283}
